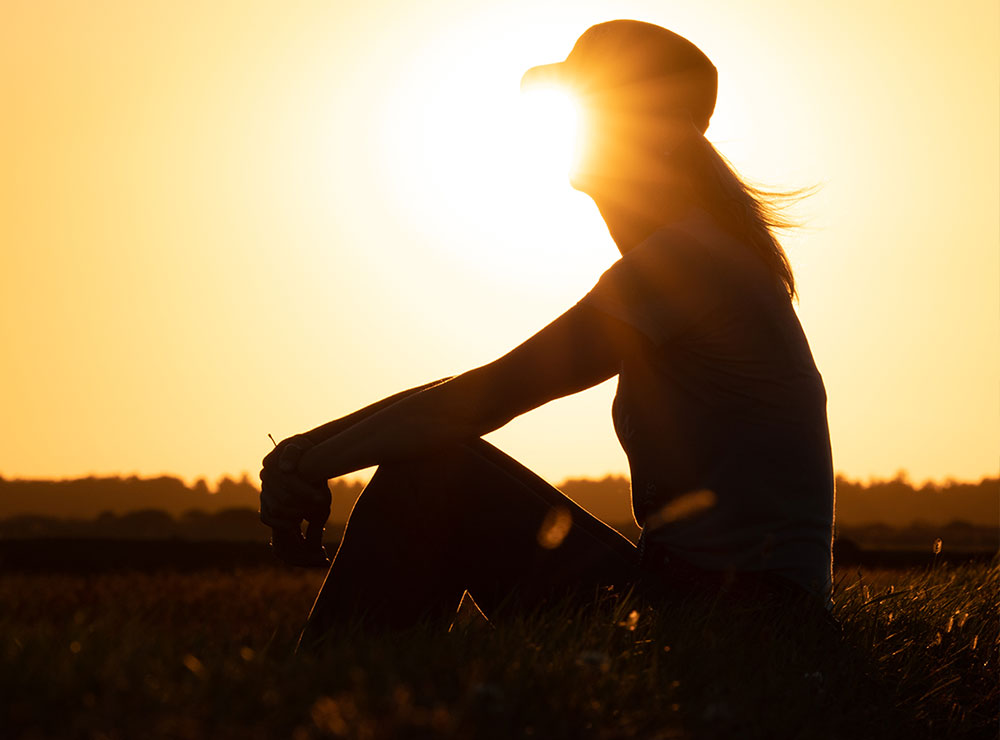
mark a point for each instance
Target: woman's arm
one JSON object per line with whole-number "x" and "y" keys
{"x": 335, "y": 427}
{"x": 580, "y": 349}
{"x": 332, "y": 428}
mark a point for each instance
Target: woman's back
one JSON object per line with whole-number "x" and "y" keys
{"x": 723, "y": 416}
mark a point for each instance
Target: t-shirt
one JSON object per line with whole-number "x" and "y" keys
{"x": 723, "y": 416}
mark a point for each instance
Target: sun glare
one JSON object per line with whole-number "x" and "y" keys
{"x": 483, "y": 170}
{"x": 550, "y": 121}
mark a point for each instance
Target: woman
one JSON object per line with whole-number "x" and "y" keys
{"x": 719, "y": 408}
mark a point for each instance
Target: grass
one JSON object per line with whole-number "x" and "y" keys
{"x": 193, "y": 655}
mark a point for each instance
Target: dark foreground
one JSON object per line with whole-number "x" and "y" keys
{"x": 86, "y": 555}
{"x": 208, "y": 654}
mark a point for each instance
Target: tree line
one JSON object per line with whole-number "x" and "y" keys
{"x": 894, "y": 503}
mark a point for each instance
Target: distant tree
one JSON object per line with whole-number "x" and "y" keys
{"x": 895, "y": 502}
{"x": 233, "y": 494}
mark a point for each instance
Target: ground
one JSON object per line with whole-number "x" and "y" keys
{"x": 167, "y": 654}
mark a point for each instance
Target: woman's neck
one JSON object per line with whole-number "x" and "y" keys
{"x": 632, "y": 217}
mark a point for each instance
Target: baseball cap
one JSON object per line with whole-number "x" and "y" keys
{"x": 635, "y": 66}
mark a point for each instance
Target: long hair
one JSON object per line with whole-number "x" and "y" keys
{"x": 748, "y": 212}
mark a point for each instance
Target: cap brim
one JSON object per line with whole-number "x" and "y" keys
{"x": 546, "y": 75}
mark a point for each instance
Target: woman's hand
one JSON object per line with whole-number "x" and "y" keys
{"x": 285, "y": 455}
{"x": 286, "y": 499}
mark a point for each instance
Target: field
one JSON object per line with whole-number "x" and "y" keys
{"x": 167, "y": 654}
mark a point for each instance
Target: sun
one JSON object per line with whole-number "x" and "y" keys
{"x": 483, "y": 171}
{"x": 548, "y": 138}
{"x": 471, "y": 144}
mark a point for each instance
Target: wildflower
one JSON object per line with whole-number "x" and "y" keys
{"x": 631, "y": 621}
{"x": 194, "y": 665}
{"x": 328, "y": 715}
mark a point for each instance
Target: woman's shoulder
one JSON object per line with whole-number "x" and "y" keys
{"x": 698, "y": 233}
{"x": 695, "y": 247}
{"x": 703, "y": 245}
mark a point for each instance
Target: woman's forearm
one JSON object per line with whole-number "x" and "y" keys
{"x": 440, "y": 415}
{"x": 333, "y": 428}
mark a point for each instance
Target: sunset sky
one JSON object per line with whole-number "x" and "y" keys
{"x": 220, "y": 220}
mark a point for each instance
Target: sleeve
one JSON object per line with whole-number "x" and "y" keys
{"x": 659, "y": 287}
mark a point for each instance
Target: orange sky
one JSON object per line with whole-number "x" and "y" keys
{"x": 220, "y": 220}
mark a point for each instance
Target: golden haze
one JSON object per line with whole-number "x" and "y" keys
{"x": 221, "y": 221}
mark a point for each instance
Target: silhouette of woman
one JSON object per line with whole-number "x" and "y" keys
{"x": 719, "y": 408}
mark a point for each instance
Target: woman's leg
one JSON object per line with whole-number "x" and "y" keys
{"x": 468, "y": 518}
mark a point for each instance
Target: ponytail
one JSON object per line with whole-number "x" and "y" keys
{"x": 746, "y": 211}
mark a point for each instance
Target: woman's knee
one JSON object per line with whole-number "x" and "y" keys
{"x": 441, "y": 469}
{"x": 414, "y": 488}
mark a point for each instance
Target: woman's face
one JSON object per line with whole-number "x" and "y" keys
{"x": 603, "y": 148}
{"x": 621, "y": 142}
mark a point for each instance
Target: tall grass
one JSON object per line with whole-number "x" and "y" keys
{"x": 209, "y": 655}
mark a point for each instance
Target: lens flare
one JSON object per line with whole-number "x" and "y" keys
{"x": 555, "y": 528}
